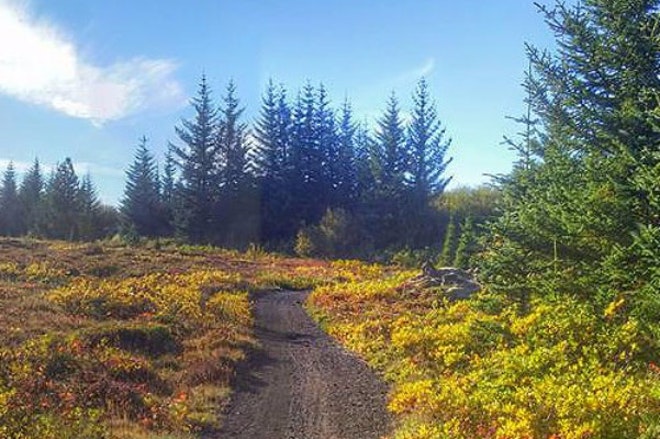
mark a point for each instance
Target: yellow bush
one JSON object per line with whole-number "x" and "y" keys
{"x": 562, "y": 370}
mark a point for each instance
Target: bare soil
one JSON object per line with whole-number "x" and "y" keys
{"x": 301, "y": 384}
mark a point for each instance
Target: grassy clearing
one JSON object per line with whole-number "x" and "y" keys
{"x": 484, "y": 369}
{"x": 102, "y": 341}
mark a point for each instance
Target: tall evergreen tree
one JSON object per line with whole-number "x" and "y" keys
{"x": 233, "y": 144}
{"x": 327, "y": 142}
{"x": 141, "y": 205}
{"x": 389, "y": 163}
{"x": 168, "y": 192}
{"x": 307, "y": 171}
{"x": 363, "y": 146}
{"x": 427, "y": 146}
{"x": 581, "y": 217}
{"x": 10, "y": 214}
{"x": 90, "y": 210}
{"x": 346, "y": 184}
{"x": 62, "y": 202}
{"x": 30, "y": 196}
{"x": 198, "y": 160}
{"x": 237, "y": 208}
{"x": 389, "y": 156}
{"x": 272, "y": 160}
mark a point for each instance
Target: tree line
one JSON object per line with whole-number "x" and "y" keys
{"x": 60, "y": 206}
{"x": 305, "y": 174}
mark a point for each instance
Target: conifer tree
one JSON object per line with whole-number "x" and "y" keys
{"x": 467, "y": 245}
{"x": 307, "y": 172}
{"x": 141, "y": 205}
{"x": 237, "y": 201}
{"x": 389, "y": 163}
{"x": 168, "y": 193}
{"x": 233, "y": 145}
{"x": 448, "y": 254}
{"x": 272, "y": 160}
{"x": 30, "y": 196}
{"x": 580, "y": 216}
{"x": 363, "y": 145}
{"x": 90, "y": 210}
{"x": 63, "y": 203}
{"x": 347, "y": 187}
{"x": 328, "y": 145}
{"x": 427, "y": 147}
{"x": 198, "y": 160}
{"x": 10, "y": 214}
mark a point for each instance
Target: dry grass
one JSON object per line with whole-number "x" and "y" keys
{"x": 101, "y": 340}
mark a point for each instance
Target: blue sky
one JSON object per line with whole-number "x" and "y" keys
{"x": 87, "y": 78}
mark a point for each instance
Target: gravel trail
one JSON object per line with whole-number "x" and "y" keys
{"x": 301, "y": 384}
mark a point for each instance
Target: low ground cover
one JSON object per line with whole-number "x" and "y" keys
{"x": 101, "y": 340}
{"x": 485, "y": 368}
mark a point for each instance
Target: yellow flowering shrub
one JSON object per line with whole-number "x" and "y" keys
{"x": 163, "y": 295}
{"x": 469, "y": 369}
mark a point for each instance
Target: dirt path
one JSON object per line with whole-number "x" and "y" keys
{"x": 302, "y": 385}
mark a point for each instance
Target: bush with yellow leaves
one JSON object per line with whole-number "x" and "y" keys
{"x": 484, "y": 369}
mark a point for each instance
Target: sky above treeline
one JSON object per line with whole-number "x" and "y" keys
{"x": 86, "y": 78}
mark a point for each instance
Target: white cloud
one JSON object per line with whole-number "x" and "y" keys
{"x": 40, "y": 64}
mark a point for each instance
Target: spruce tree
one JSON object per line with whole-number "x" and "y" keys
{"x": 30, "y": 194}
{"x": 581, "y": 216}
{"x": 141, "y": 205}
{"x": 90, "y": 211}
{"x": 198, "y": 158}
{"x": 307, "y": 161}
{"x": 448, "y": 254}
{"x": 328, "y": 146}
{"x": 237, "y": 201}
{"x": 10, "y": 215}
{"x": 467, "y": 245}
{"x": 347, "y": 187}
{"x": 168, "y": 193}
{"x": 233, "y": 145}
{"x": 62, "y": 203}
{"x": 385, "y": 204}
{"x": 389, "y": 156}
{"x": 427, "y": 147}
{"x": 272, "y": 159}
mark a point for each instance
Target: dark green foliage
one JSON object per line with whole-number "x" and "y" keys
{"x": 449, "y": 244}
{"x": 306, "y": 166}
{"x": 198, "y": 161}
{"x": 30, "y": 197}
{"x": 10, "y": 215}
{"x": 62, "y": 203}
{"x": 427, "y": 147}
{"x": 62, "y": 208}
{"x": 579, "y": 211}
{"x": 389, "y": 156}
{"x": 236, "y": 219}
{"x": 142, "y": 206}
{"x": 272, "y": 160}
{"x": 345, "y": 166}
{"x": 168, "y": 192}
{"x": 467, "y": 245}
{"x": 306, "y": 159}
{"x": 383, "y": 203}
{"x": 336, "y": 236}
{"x": 90, "y": 211}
